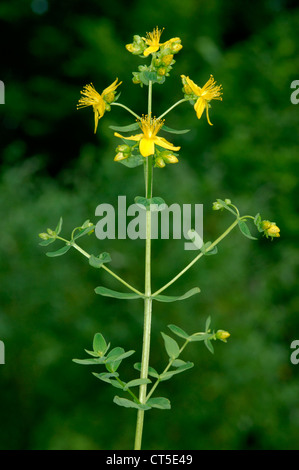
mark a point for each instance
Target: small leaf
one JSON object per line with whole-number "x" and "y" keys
{"x": 159, "y": 402}
{"x": 178, "y": 363}
{"x": 47, "y": 242}
{"x": 99, "y": 360}
{"x": 151, "y": 371}
{"x": 132, "y": 161}
{"x": 129, "y": 403}
{"x": 155, "y": 203}
{"x": 117, "y": 295}
{"x": 98, "y": 261}
{"x": 105, "y": 376}
{"x": 136, "y": 382}
{"x": 208, "y": 322}
{"x": 99, "y": 344}
{"x": 226, "y": 207}
{"x": 59, "y": 226}
{"x": 171, "y": 373}
{"x": 209, "y": 346}
{"x": 83, "y": 231}
{"x": 174, "y": 131}
{"x": 59, "y": 252}
{"x": 129, "y": 128}
{"x": 168, "y": 298}
{"x": 119, "y": 357}
{"x": 171, "y": 346}
{"x": 245, "y": 230}
{"x": 204, "y": 249}
{"x": 178, "y": 331}
{"x": 200, "y": 336}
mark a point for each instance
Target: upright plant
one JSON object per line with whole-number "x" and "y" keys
{"x": 148, "y": 149}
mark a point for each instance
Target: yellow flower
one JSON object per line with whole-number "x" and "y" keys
{"x": 222, "y": 335}
{"x": 270, "y": 229}
{"x": 148, "y": 139}
{"x": 98, "y": 101}
{"x": 153, "y": 41}
{"x": 204, "y": 95}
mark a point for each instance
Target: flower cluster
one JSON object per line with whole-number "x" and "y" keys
{"x": 147, "y": 141}
{"x": 162, "y": 56}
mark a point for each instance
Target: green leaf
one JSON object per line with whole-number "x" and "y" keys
{"x": 106, "y": 376}
{"x": 129, "y": 403}
{"x": 119, "y": 357}
{"x": 208, "y": 322}
{"x": 225, "y": 206}
{"x": 83, "y": 231}
{"x": 99, "y": 360}
{"x": 206, "y": 252}
{"x": 178, "y": 363}
{"x": 155, "y": 203}
{"x": 168, "y": 298}
{"x": 171, "y": 346}
{"x": 59, "y": 252}
{"x": 98, "y": 261}
{"x": 47, "y": 242}
{"x": 117, "y": 295}
{"x": 151, "y": 371}
{"x": 111, "y": 361}
{"x": 136, "y": 382}
{"x": 129, "y": 128}
{"x": 200, "y": 336}
{"x": 178, "y": 331}
{"x": 159, "y": 402}
{"x": 245, "y": 230}
{"x": 133, "y": 160}
{"x": 209, "y": 346}
{"x": 99, "y": 344}
{"x": 175, "y": 131}
{"x": 59, "y": 226}
{"x": 182, "y": 368}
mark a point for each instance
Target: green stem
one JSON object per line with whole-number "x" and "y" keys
{"x": 128, "y": 109}
{"x": 173, "y": 106}
{"x": 147, "y": 300}
{"x": 165, "y": 370}
{"x": 229, "y": 229}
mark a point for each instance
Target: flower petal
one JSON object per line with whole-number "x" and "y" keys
{"x": 136, "y": 137}
{"x": 199, "y": 107}
{"x": 150, "y": 50}
{"x": 208, "y": 118}
{"x": 195, "y": 88}
{"x": 110, "y": 88}
{"x": 165, "y": 144}
{"x": 146, "y": 147}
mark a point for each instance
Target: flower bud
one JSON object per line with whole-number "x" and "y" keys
{"x": 44, "y": 236}
{"x": 167, "y": 59}
{"x": 159, "y": 162}
{"x": 50, "y": 232}
{"x": 227, "y": 201}
{"x": 110, "y": 97}
{"x": 222, "y": 335}
{"x": 161, "y": 71}
{"x": 123, "y": 148}
{"x": 217, "y": 206}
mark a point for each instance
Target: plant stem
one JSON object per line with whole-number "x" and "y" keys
{"x": 171, "y": 107}
{"x": 147, "y": 300}
{"x": 87, "y": 255}
{"x": 126, "y": 108}
{"x": 229, "y": 229}
{"x": 165, "y": 370}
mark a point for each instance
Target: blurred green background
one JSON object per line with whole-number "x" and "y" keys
{"x": 245, "y": 396}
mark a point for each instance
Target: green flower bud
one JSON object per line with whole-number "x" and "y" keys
{"x": 217, "y": 206}
{"x": 222, "y": 335}
{"x": 44, "y": 236}
{"x": 50, "y": 232}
